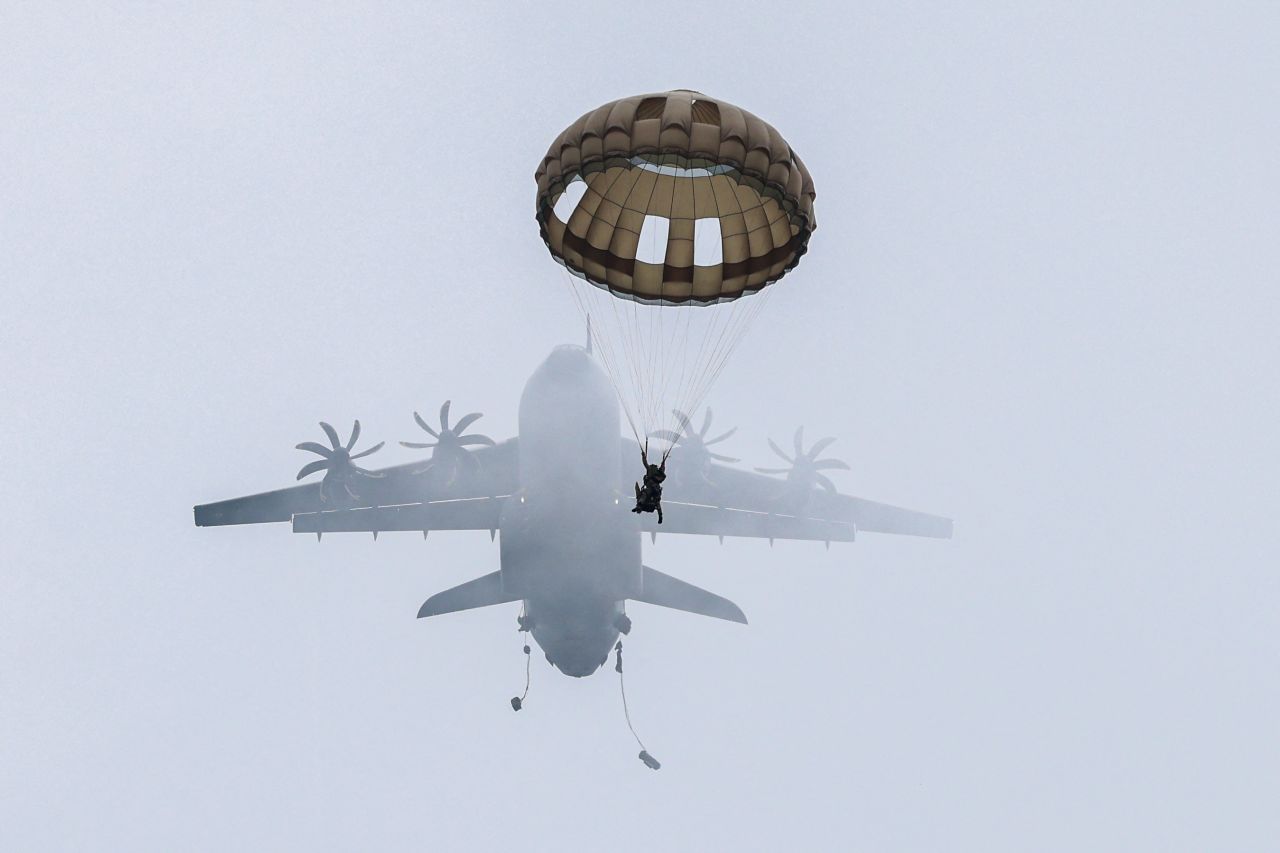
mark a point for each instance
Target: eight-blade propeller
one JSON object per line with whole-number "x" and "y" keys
{"x": 450, "y": 453}
{"x": 693, "y": 448}
{"x": 450, "y": 446}
{"x": 338, "y": 462}
{"x": 806, "y": 468}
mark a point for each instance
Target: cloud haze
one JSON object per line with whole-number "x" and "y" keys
{"x": 1041, "y": 300}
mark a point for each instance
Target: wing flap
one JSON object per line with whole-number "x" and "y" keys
{"x": 698, "y": 519}
{"x": 466, "y": 514}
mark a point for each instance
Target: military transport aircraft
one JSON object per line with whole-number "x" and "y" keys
{"x": 560, "y": 496}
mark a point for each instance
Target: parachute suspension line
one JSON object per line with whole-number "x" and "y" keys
{"x": 610, "y": 359}
{"x": 640, "y": 354}
{"x": 675, "y": 344}
{"x": 685, "y": 403}
{"x": 727, "y": 343}
{"x": 659, "y": 362}
{"x": 629, "y": 333}
{"x": 726, "y": 329}
{"x": 649, "y": 761}
{"x": 613, "y": 364}
{"x": 603, "y": 346}
{"x": 658, "y": 389}
{"x": 631, "y": 349}
{"x": 733, "y": 330}
{"x": 661, "y": 375}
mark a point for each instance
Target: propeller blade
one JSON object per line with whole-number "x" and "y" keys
{"x": 312, "y": 467}
{"x": 825, "y": 483}
{"x": 417, "y": 417}
{"x": 799, "y": 442}
{"x": 820, "y": 446}
{"x": 333, "y": 435}
{"x": 444, "y": 416}
{"x": 720, "y": 438}
{"x": 316, "y": 448}
{"x": 465, "y": 421}
{"x": 706, "y": 424}
{"x": 682, "y": 419}
{"x": 774, "y": 470}
{"x": 830, "y": 464}
{"x": 720, "y": 457}
{"x": 417, "y": 445}
{"x": 778, "y": 450}
{"x": 477, "y": 439}
{"x": 355, "y": 433}
{"x": 665, "y": 435}
{"x": 373, "y": 449}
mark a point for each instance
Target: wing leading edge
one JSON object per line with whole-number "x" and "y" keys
{"x": 495, "y": 475}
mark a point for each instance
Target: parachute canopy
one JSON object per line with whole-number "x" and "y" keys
{"x": 674, "y": 198}
{"x": 668, "y": 208}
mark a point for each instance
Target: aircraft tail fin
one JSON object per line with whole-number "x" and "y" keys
{"x": 666, "y": 591}
{"x": 481, "y": 592}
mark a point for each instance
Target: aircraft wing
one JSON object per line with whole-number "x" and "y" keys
{"x": 392, "y": 488}
{"x": 732, "y": 502}
{"x": 681, "y": 517}
{"x": 461, "y": 514}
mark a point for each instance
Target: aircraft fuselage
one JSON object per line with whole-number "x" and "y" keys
{"x": 569, "y": 546}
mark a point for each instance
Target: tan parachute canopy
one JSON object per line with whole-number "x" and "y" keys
{"x": 674, "y": 198}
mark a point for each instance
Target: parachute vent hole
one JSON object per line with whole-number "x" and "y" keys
{"x": 706, "y": 112}
{"x": 651, "y": 108}
{"x": 652, "y": 248}
{"x": 569, "y": 199}
{"x": 708, "y": 251}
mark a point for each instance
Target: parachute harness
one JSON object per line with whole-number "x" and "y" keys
{"x": 649, "y": 761}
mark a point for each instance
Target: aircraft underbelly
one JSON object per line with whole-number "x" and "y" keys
{"x": 555, "y": 551}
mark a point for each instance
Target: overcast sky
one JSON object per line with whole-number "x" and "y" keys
{"x": 1042, "y": 300}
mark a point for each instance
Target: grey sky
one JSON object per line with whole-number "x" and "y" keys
{"x": 1042, "y": 299}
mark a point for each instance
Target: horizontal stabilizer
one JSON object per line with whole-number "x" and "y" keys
{"x": 480, "y": 592}
{"x": 666, "y": 591}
